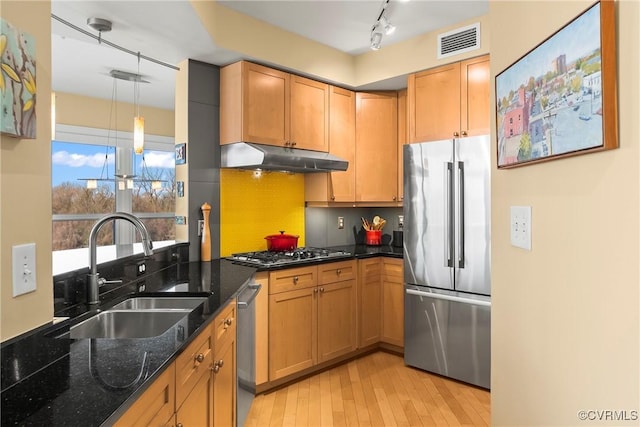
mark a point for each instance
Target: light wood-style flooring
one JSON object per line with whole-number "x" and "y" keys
{"x": 375, "y": 390}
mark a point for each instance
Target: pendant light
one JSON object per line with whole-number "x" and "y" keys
{"x": 138, "y": 120}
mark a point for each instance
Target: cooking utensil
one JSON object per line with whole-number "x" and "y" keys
{"x": 281, "y": 242}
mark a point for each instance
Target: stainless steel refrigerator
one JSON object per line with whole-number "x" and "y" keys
{"x": 447, "y": 246}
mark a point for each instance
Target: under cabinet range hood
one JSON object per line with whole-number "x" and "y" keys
{"x": 245, "y": 155}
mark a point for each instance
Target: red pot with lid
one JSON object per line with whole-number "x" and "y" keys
{"x": 281, "y": 242}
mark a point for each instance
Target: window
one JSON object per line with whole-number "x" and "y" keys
{"x": 81, "y": 155}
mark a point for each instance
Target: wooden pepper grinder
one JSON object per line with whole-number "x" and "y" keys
{"x": 205, "y": 243}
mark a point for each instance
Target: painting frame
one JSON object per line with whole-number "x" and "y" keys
{"x": 570, "y": 109}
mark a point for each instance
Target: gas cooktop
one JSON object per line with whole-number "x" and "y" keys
{"x": 296, "y": 256}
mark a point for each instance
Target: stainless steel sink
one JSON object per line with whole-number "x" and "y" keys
{"x": 160, "y": 303}
{"x": 128, "y": 323}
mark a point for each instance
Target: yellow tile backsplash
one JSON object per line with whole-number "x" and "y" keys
{"x": 252, "y": 207}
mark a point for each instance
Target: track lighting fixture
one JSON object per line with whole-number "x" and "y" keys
{"x": 381, "y": 26}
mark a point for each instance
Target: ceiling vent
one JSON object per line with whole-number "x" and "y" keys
{"x": 459, "y": 41}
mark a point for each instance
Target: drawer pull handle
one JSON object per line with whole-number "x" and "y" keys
{"x": 217, "y": 365}
{"x": 199, "y": 358}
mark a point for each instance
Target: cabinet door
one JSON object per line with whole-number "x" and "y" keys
{"x": 392, "y": 302}
{"x": 337, "y": 186}
{"x": 192, "y": 363}
{"x": 156, "y": 406}
{"x": 198, "y": 406}
{"x": 336, "y": 319}
{"x": 474, "y": 84}
{"x": 370, "y": 300}
{"x": 309, "y": 124}
{"x": 434, "y": 103}
{"x": 376, "y": 147}
{"x": 402, "y": 139}
{"x": 292, "y": 332}
{"x": 224, "y": 384}
{"x": 265, "y": 105}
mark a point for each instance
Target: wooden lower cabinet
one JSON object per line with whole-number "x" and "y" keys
{"x": 199, "y": 388}
{"x": 313, "y": 323}
{"x": 292, "y": 332}
{"x": 224, "y": 368}
{"x": 156, "y": 406}
{"x": 392, "y": 302}
{"x": 197, "y": 408}
{"x": 369, "y": 301}
{"x": 336, "y": 310}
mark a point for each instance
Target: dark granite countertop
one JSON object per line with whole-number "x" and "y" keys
{"x": 90, "y": 382}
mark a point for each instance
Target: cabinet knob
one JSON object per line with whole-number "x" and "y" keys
{"x": 456, "y": 134}
{"x": 464, "y": 133}
{"x": 217, "y": 365}
{"x": 199, "y": 358}
{"x": 321, "y": 289}
{"x": 338, "y": 272}
{"x": 394, "y": 198}
{"x": 315, "y": 290}
{"x": 179, "y": 425}
{"x": 227, "y": 322}
{"x": 333, "y": 197}
{"x": 293, "y": 143}
{"x": 295, "y": 280}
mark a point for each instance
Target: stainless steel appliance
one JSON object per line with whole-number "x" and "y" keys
{"x": 447, "y": 244}
{"x": 295, "y": 256}
{"x": 246, "y": 351}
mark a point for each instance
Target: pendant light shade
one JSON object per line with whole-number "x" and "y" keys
{"x": 138, "y": 134}
{"x": 92, "y": 184}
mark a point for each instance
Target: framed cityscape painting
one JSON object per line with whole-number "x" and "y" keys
{"x": 560, "y": 99}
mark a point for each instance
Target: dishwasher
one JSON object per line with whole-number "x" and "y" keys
{"x": 246, "y": 351}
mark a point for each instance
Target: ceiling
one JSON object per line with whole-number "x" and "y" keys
{"x": 171, "y": 32}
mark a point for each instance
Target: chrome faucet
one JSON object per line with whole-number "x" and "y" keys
{"x": 93, "y": 281}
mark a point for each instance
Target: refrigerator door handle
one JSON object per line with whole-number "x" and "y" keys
{"x": 461, "y": 195}
{"x": 449, "y": 298}
{"x": 449, "y": 247}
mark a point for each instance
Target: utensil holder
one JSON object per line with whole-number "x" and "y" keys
{"x": 373, "y": 237}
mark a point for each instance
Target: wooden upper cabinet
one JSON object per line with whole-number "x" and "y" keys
{"x": 254, "y": 104}
{"x": 449, "y": 101}
{"x": 474, "y": 85}
{"x": 402, "y": 138}
{"x": 309, "y": 124}
{"x": 337, "y": 186}
{"x": 266, "y": 106}
{"x": 376, "y": 147}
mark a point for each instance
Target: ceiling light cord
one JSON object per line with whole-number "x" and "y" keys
{"x": 108, "y": 43}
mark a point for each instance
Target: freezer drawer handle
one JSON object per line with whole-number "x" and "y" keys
{"x": 449, "y": 298}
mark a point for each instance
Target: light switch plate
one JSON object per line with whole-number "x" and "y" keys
{"x": 24, "y": 269}
{"x": 521, "y": 227}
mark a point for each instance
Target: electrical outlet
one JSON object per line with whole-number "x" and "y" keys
{"x": 521, "y": 227}
{"x": 400, "y": 221}
{"x": 141, "y": 286}
{"x": 24, "y": 269}
{"x": 141, "y": 268}
{"x": 340, "y": 222}
{"x": 200, "y": 226}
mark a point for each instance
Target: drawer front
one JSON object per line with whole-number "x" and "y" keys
{"x": 337, "y": 272}
{"x": 192, "y": 363}
{"x": 393, "y": 268}
{"x": 224, "y": 325}
{"x": 292, "y": 279}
